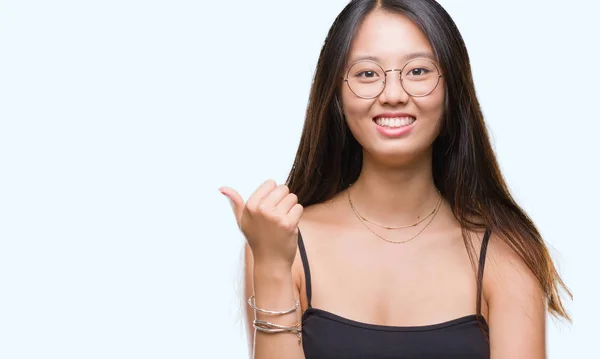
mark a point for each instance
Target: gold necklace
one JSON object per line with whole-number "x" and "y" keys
{"x": 391, "y": 227}
{"x": 397, "y": 242}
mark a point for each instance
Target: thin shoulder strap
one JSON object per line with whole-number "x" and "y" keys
{"x": 306, "y": 268}
{"x": 484, "y": 244}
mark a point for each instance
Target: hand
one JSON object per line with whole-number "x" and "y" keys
{"x": 269, "y": 221}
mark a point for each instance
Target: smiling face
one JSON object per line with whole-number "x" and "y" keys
{"x": 379, "y": 124}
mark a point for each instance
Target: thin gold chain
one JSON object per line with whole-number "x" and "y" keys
{"x": 389, "y": 227}
{"x": 397, "y": 242}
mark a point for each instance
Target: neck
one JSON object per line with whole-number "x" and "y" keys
{"x": 395, "y": 195}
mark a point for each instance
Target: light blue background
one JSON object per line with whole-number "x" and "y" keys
{"x": 119, "y": 120}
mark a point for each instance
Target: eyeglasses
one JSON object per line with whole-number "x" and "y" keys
{"x": 418, "y": 77}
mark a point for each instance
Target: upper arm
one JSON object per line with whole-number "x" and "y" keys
{"x": 517, "y": 305}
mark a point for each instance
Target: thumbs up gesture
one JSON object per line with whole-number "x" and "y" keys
{"x": 269, "y": 221}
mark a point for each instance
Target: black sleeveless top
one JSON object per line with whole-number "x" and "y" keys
{"x": 330, "y": 336}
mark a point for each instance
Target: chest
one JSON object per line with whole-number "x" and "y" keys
{"x": 331, "y": 337}
{"x": 401, "y": 287}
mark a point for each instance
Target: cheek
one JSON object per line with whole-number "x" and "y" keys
{"x": 355, "y": 108}
{"x": 431, "y": 107}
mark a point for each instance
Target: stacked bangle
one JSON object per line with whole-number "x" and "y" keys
{"x": 267, "y": 327}
{"x": 253, "y": 306}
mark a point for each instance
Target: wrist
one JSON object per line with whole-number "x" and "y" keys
{"x": 273, "y": 286}
{"x": 272, "y": 271}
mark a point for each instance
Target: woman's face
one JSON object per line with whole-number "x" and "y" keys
{"x": 378, "y": 124}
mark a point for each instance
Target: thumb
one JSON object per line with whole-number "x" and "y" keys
{"x": 236, "y": 201}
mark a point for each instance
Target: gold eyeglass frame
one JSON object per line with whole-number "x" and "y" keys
{"x": 400, "y": 70}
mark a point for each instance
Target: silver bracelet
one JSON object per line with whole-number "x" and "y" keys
{"x": 276, "y": 327}
{"x": 270, "y": 312}
{"x": 271, "y": 328}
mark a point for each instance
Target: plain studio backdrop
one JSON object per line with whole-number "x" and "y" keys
{"x": 121, "y": 119}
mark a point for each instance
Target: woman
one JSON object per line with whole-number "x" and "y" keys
{"x": 395, "y": 235}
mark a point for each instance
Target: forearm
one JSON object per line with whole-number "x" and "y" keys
{"x": 274, "y": 290}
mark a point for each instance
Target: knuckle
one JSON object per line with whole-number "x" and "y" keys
{"x": 298, "y": 209}
{"x": 271, "y": 184}
{"x": 267, "y": 212}
{"x": 251, "y": 208}
{"x": 286, "y": 224}
{"x": 262, "y": 209}
{"x": 281, "y": 190}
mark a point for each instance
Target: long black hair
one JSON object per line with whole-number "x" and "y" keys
{"x": 465, "y": 169}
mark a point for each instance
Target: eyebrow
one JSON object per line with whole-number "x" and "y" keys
{"x": 412, "y": 55}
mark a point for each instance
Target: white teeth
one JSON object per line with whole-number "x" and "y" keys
{"x": 395, "y": 122}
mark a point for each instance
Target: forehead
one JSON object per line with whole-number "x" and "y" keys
{"x": 390, "y": 39}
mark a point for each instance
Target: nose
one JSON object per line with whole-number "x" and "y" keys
{"x": 393, "y": 93}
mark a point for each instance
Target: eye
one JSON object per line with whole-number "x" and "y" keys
{"x": 418, "y": 71}
{"x": 367, "y": 74}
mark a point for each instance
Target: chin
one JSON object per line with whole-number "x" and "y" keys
{"x": 398, "y": 154}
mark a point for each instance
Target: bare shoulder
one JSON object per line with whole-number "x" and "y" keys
{"x": 506, "y": 272}
{"x": 321, "y": 216}
{"x": 316, "y": 220}
{"x": 517, "y": 305}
